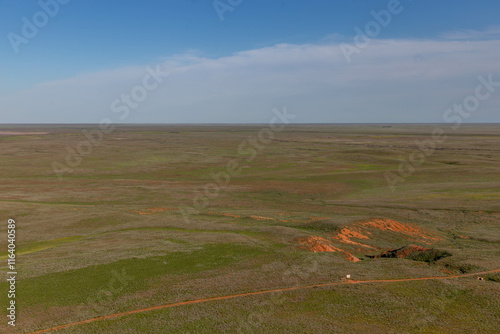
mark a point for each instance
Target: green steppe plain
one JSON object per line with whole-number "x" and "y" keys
{"x": 85, "y": 250}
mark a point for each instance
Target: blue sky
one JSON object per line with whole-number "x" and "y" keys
{"x": 264, "y": 54}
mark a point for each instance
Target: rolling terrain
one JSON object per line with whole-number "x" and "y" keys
{"x": 153, "y": 216}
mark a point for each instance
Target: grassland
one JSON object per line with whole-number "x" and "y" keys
{"x": 112, "y": 237}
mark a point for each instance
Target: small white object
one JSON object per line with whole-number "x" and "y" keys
{"x": 348, "y": 276}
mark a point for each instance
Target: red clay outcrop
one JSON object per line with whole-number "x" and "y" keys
{"x": 319, "y": 244}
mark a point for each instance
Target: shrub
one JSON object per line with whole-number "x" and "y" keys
{"x": 493, "y": 277}
{"x": 429, "y": 256}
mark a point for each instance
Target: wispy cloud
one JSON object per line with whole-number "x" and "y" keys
{"x": 492, "y": 32}
{"x": 398, "y": 80}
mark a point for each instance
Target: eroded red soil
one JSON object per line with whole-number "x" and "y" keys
{"x": 319, "y": 244}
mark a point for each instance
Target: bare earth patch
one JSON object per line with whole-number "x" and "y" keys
{"x": 363, "y": 230}
{"x": 408, "y": 229}
{"x": 318, "y": 244}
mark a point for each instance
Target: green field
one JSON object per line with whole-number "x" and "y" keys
{"x": 124, "y": 229}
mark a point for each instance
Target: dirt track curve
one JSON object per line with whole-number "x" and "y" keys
{"x": 116, "y": 315}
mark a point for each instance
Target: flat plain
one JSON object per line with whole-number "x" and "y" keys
{"x": 150, "y": 217}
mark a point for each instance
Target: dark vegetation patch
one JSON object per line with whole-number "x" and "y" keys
{"x": 402, "y": 252}
{"x": 414, "y": 252}
{"x": 462, "y": 268}
{"x": 493, "y": 277}
{"x": 320, "y": 226}
{"x": 429, "y": 256}
{"x": 451, "y": 162}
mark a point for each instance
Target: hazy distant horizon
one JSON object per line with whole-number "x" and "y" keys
{"x": 235, "y": 124}
{"x": 184, "y": 63}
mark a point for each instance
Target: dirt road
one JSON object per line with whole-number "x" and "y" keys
{"x": 116, "y": 315}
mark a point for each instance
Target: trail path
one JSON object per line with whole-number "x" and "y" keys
{"x": 117, "y": 315}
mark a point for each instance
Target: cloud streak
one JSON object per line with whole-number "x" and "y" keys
{"x": 398, "y": 80}
{"x": 492, "y": 32}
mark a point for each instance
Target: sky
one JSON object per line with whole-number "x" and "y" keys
{"x": 234, "y": 61}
